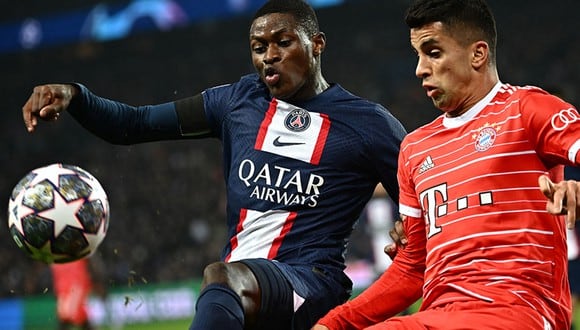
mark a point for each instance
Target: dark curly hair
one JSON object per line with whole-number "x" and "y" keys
{"x": 302, "y": 12}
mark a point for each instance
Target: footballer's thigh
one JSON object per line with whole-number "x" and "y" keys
{"x": 238, "y": 277}
{"x": 278, "y": 294}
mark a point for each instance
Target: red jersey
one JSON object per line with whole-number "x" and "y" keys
{"x": 473, "y": 180}
{"x": 476, "y": 221}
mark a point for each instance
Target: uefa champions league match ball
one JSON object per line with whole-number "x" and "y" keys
{"x": 58, "y": 213}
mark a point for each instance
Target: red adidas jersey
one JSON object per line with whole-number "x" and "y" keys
{"x": 473, "y": 180}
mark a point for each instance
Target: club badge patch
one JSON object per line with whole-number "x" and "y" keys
{"x": 292, "y": 132}
{"x": 485, "y": 136}
{"x": 297, "y": 120}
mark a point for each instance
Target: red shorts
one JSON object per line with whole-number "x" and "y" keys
{"x": 71, "y": 304}
{"x": 469, "y": 315}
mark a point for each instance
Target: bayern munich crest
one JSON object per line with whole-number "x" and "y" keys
{"x": 486, "y": 136}
{"x": 297, "y": 120}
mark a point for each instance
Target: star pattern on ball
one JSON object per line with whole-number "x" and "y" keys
{"x": 16, "y": 220}
{"x": 51, "y": 173}
{"x": 44, "y": 253}
{"x": 47, "y": 211}
{"x": 63, "y": 214}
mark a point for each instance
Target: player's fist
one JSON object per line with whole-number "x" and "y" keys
{"x": 46, "y": 102}
{"x": 399, "y": 238}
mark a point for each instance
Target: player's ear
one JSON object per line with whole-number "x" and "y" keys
{"x": 480, "y": 54}
{"x": 319, "y": 43}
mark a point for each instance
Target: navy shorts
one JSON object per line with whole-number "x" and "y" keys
{"x": 294, "y": 297}
{"x": 574, "y": 275}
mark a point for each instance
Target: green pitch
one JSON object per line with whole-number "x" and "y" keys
{"x": 184, "y": 324}
{"x": 167, "y": 325}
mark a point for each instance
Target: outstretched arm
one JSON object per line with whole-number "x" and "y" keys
{"x": 397, "y": 288}
{"x": 117, "y": 122}
{"x": 563, "y": 198}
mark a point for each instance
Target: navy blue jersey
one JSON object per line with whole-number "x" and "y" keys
{"x": 299, "y": 175}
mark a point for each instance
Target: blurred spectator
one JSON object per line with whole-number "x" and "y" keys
{"x": 573, "y": 240}
{"x": 380, "y": 216}
{"x": 574, "y": 273}
{"x": 366, "y": 258}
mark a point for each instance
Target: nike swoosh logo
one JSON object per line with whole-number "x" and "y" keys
{"x": 277, "y": 143}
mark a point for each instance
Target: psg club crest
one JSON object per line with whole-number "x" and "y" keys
{"x": 292, "y": 132}
{"x": 485, "y": 136}
{"x": 297, "y": 120}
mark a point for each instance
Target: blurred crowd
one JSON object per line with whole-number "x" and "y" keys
{"x": 167, "y": 199}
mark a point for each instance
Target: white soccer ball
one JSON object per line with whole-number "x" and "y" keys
{"x": 58, "y": 213}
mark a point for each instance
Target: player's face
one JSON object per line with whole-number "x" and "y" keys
{"x": 444, "y": 66}
{"x": 282, "y": 54}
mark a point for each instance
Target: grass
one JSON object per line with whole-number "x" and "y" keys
{"x": 184, "y": 324}
{"x": 165, "y": 325}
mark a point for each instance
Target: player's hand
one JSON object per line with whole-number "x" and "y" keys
{"x": 46, "y": 103}
{"x": 399, "y": 239}
{"x": 563, "y": 198}
{"x": 319, "y": 327}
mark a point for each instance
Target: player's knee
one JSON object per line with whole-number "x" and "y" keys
{"x": 216, "y": 273}
{"x": 235, "y": 275}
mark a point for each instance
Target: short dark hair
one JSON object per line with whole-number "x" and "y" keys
{"x": 302, "y": 12}
{"x": 471, "y": 20}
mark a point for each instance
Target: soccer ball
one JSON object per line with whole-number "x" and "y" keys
{"x": 58, "y": 213}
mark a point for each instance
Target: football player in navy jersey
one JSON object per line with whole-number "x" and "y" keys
{"x": 302, "y": 157}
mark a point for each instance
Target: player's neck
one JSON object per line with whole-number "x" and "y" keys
{"x": 320, "y": 84}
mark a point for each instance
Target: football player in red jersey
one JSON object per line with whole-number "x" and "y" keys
{"x": 485, "y": 250}
{"x": 73, "y": 283}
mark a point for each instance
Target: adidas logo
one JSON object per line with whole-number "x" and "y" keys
{"x": 427, "y": 164}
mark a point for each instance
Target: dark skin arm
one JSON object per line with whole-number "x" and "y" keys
{"x": 47, "y": 102}
{"x": 563, "y": 198}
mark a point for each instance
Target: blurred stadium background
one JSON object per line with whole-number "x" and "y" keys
{"x": 167, "y": 199}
